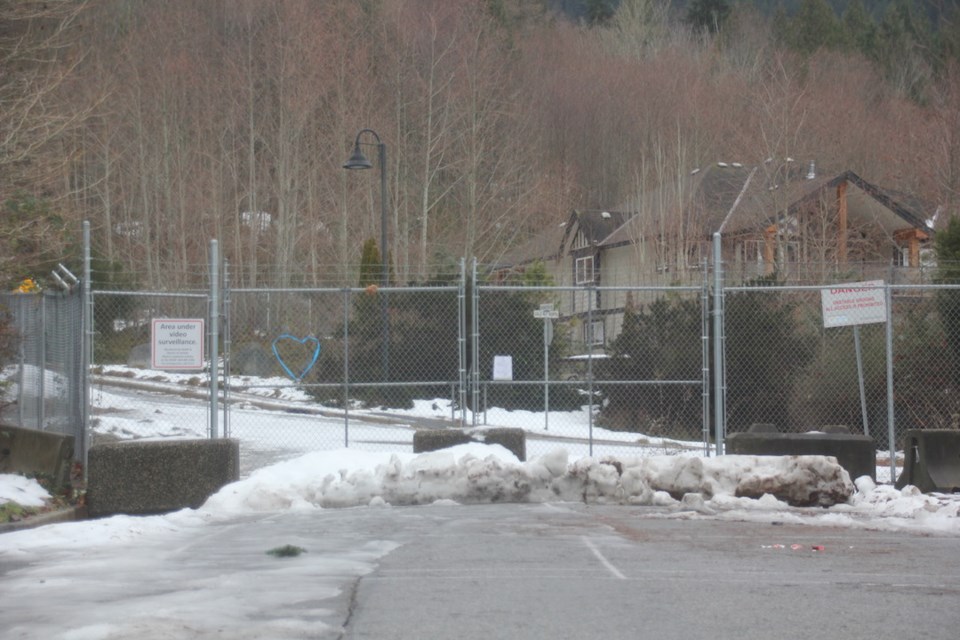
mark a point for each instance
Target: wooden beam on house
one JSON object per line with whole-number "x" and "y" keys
{"x": 911, "y": 238}
{"x": 842, "y": 223}
{"x": 769, "y": 249}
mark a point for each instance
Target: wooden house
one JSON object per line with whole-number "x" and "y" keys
{"x": 783, "y": 218}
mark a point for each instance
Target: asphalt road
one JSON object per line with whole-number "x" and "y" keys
{"x": 575, "y": 571}
{"x": 492, "y": 571}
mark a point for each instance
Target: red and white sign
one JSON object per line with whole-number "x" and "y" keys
{"x": 854, "y": 303}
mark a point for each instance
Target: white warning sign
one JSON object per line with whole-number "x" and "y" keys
{"x": 854, "y": 303}
{"x": 177, "y": 344}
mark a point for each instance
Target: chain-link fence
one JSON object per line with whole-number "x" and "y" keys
{"x": 783, "y": 367}
{"x": 43, "y": 379}
{"x": 341, "y": 367}
{"x": 787, "y": 366}
{"x": 600, "y": 370}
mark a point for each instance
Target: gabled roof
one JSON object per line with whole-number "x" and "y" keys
{"x": 867, "y": 204}
{"x": 594, "y": 224}
{"x": 910, "y": 210}
{"x": 539, "y": 246}
{"x": 733, "y": 198}
{"x": 706, "y": 197}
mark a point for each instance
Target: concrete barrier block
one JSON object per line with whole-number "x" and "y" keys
{"x": 29, "y": 451}
{"x": 139, "y": 478}
{"x": 855, "y": 453}
{"x": 515, "y": 440}
{"x": 931, "y": 460}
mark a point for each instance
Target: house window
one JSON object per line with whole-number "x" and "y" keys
{"x": 788, "y": 252}
{"x": 901, "y": 256}
{"x": 584, "y": 270}
{"x": 753, "y": 251}
{"x": 593, "y": 333}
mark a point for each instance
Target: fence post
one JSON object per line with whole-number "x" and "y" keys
{"x": 705, "y": 357}
{"x": 214, "y": 337}
{"x": 719, "y": 371}
{"x": 86, "y": 347}
{"x": 475, "y": 340}
{"x": 346, "y": 367}
{"x": 462, "y": 341}
{"x": 42, "y": 369}
{"x": 890, "y": 407}
{"x": 590, "y": 390}
{"x": 21, "y": 361}
{"x": 227, "y": 346}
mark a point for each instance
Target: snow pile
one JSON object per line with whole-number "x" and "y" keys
{"x": 474, "y": 473}
{"x": 937, "y": 512}
{"x": 26, "y": 492}
{"x": 743, "y": 488}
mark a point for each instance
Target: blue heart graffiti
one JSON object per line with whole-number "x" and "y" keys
{"x": 303, "y": 341}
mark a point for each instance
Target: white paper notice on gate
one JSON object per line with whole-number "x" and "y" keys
{"x": 854, "y": 303}
{"x": 503, "y": 367}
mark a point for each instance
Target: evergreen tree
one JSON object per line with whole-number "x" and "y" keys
{"x": 767, "y": 352}
{"x": 949, "y": 35}
{"x": 947, "y": 247}
{"x": 370, "y": 264}
{"x": 599, "y": 12}
{"x": 508, "y": 326}
{"x": 860, "y": 30}
{"x": 814, "y": 27}
{"x": 33, "y": 239}
{"x": 780, "y": 24}
{"x": 659, "y": 344}
{"x": 906, "y": 50}
{"x": 707, "y": 15}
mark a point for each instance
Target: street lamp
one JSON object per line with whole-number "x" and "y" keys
{"x": 359, "y": 161}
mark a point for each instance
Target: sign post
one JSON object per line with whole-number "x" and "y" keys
{"x": 548, "y": 313}
{"x": 854, "y": 304}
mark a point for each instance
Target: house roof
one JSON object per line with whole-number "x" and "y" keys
{"x": 733, "y": 198}
{"x": 594, "y": 224}
{"x": 867, "y": 202}
{"x": 539, "y": 246}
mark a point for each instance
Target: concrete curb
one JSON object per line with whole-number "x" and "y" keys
{"x": 69, "y": 514}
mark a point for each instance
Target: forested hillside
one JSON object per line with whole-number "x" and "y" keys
{"x": 166, "y": 124}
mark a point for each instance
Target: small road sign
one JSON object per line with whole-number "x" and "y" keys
{"x": 546, "y": 311}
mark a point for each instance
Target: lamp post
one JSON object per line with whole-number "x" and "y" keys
{"x": 359, "y": 161}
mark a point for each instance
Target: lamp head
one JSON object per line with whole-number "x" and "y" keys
{"x": 358, "y": 160}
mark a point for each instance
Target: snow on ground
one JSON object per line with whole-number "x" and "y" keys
{"x": 26, "y": 492}
{"x": 751, "y": 488}
{"x": 683, "y": 483}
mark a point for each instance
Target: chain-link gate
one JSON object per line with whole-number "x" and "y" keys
{"x": 125, "y": 405}
{"x": 600, "y": 370}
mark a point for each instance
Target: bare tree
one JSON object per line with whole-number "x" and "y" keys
{"x": 39, "y": 57}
